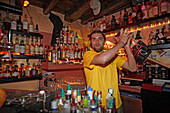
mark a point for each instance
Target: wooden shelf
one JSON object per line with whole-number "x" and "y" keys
{"x": 21, "y": 57}
{"x": 19, "y": 79}
{"x": 138, "y": 24}
{"x": 136, "y": 89}
{"x": 135, "y": 79}
{"x": 161, "y": 46}
{"x": 166, "y": 65}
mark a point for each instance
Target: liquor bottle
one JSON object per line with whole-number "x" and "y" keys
{"x": 6, "y": 23}
{"x": 61, "y": 37}
{"x": 65, "y": 37}
{"x": 104, "y": 23}
{"x": 59, "y": 52}
{"x": 75, "y": 52}
{"x": 6, "y": 73}
{"x": 69, "y": 37}
{"x": 79, "y": 53}
{"x": 67, "y": 51}
{"x": 151, "y": 37}
{"x": 139, "y": 14}
{"x": 22, "y": 71}
{"x": 13, "y": 23}
{"x": 17, "y": 47}
{"x": 36, "y": 47}
{"x": 25, "y": 39}
{"x": 22, "y": 46}
{"x": 130, "y": 18}
{"x": 113, "y": 22}
{"x": 149, "y": 7}
{"x": 82, "y": 51}
{"x": 156, "y": 36}
{"x": 31, "y": 26}
{"x": 25, "y": 24}
{"x": 121, "y": 19}
{"x": 34, "y": 71}
{"x": 15, "y": 73}
{"x": 155, "y": 7}
{"x": 39, "y": 69}
{"x": 134, "y": 15}
{"x": 164, "y": 6}
{"x": 19, "y": 24}
{"x": 53, "y": 55}
{"x": 162, "y": 37}
{"x": 73, "y": 38}
{"x": 27, "y": 70}
{"x": 76, "y": 39}
{"x": 144, "y": 10}
{"x": 72, "y": 52}
{"x": 125, "y": 17}
{"x": 32, "y": 48}
{"x": 41, "y": 47}
{"x": 49, "y": 52}
{"x": 27, "y": 46}
{"x": 63, "y": 52}
{"x": 36, "y": 29}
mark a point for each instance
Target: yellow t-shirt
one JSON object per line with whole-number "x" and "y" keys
{"x": 103, "y": 77}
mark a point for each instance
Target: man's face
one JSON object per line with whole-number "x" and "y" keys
{"x": 97, "y": 42}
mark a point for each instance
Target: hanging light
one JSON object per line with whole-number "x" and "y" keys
{"x": 26, "y": 3}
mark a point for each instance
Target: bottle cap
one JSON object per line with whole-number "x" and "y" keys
{"x": 90, "y": 89}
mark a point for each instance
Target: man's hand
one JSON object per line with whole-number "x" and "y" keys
{"x": 124, "y": 36}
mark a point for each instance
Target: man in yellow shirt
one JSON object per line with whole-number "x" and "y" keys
{"x": 100, "y": 66}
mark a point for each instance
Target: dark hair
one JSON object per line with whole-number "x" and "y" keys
{"x": 97, "y": 31}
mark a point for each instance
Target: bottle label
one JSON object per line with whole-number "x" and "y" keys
{"x": 27, "y": 72}
{"x": 25, "y": 25}
{"x": 6, "y": 74}
{"x": 31, "y": 28}
{"x": 13, "y": 25}
{"x": 49, "y": 56}
{"x": 155, "y": 10}
{"x": 17, "y": 48}
{"x": 34, "y": 73}
{"x": 164, "y": 6}
{"x": 54, "y": 58}
{"x": 15, "y": 74}
{"x": 22, "y": 49}
{"x": 32, "y": 50}
{"x": 19, "y": 27}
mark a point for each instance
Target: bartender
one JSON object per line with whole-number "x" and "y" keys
{"x": 100, "y": 66}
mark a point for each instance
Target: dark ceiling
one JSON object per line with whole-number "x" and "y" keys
{"x": 80, "y": 9}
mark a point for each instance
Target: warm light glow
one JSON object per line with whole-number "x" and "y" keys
{"x": 168, "y": 21}
{"x": 26, "y": 3}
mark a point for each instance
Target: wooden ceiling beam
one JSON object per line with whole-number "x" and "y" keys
{"x": 50, "y": 7}
{"x": 111, "y": 8}
{"x": 77, "y": 13}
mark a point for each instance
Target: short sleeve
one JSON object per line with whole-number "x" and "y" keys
{"x": 119, "y": 61}
{"x": 87, "y": 58}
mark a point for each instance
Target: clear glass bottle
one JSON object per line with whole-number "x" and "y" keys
{"x": 13, "y": 23}
{"x": 22, "y": 46}
{"x": 53, "y": 55}
{"x": 31, "y": 26}
{"x": 22, "y": 71}
{"x": 27, "y": 46}
{"x": 17, "y": 46}
{"x": 36, "y": 47}
{"x": 25, "y": 24}
{"x": 32, "y": 48}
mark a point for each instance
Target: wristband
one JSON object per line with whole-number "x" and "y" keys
{"x": 123, "y": 43}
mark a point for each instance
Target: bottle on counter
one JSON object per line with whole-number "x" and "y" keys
{"x": 54, "y": 55}
{"x": 27, "y": 70}
{"x": 22, "y": 46}
{"x": 6, "y": 72}
{"x": 76, "y": 39}
{"x": 27, "y": 46}
{"x": 17, "y": 46}
{"x": 41, "y": 48}
{"x": 15, "y": 73}
{"x": 125, "y": 17}
{"x": 32, "y": 47}
{"x": 34, "y": 71}
{"x": 36, "y": 47}
{"x": 39, "y": 69}
{"x": 21, "y": 71}
{"x": 49, "y": 53}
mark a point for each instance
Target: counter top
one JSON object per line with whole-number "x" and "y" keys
{"x": 136, "y": 89}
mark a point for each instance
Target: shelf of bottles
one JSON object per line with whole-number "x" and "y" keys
{"x": 66, "y": 50}
{"x": 24, "y": 42}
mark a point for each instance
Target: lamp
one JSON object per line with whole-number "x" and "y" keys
{"x": 26, "y": 3}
